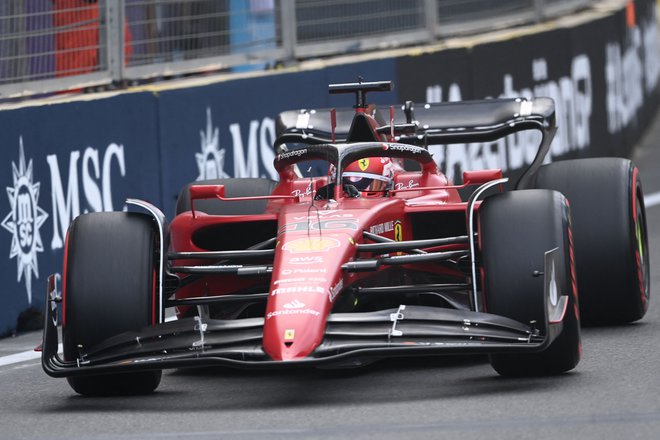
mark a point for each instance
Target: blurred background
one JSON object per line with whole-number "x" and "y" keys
{"x": 48, "y": 46}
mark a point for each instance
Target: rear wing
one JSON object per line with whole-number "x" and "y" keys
{"x": 445, "y": 123}
{"x": 430, "y": 124}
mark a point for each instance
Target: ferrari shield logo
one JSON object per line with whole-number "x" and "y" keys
{"x": 363, "y": 164}
{"x": 289, "y": 334}
{"x": 398, "y": 231}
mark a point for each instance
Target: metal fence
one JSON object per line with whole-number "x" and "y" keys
{"x": 52, "y": 45}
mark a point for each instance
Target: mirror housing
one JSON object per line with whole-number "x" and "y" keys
{"x": 480, "y": 177}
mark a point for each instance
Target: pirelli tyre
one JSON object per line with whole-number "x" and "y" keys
{"x": 611, "y": 242}
{"x": 516, "y": 229}
{"x": 239, "y": 187}
{"x": 109, "y": 288}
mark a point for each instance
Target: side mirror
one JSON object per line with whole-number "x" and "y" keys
{"x": 205, "y": 192}
{"x": 480, "y": 177}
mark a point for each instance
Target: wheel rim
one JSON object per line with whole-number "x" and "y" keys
{"x": 642, "y": 250}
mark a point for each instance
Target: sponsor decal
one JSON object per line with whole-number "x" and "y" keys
{"x": 24, "y": 221}
{"x": 363, "y": 164}
{"x": 306, "y": 260}
{"x": 300, "y": 193}
{"x": 334, "y": 291}
{"x": 404, "y": 148}
{"x": 299, "y": 280}
{"x": 295, "y": 304}
{"x": 298, "y": 289}
{"x": 311, "y": 244}
{"x": 303, "y": 271}
{"x": 289, "y": 334}
{"x": 411, "y": 184}
{"x": 382, "y": 228}
{"x": 323, "y": 225}
{"x": 294, "y": 153}
{"x": 398, "y": 235}
{"x": 290, "y": 280}
{"x": 398, "y": 231}
{"x": 292, "y": 312}
{"x": 332, "y": 214}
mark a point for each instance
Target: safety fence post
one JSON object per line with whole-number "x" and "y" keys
{"x": 431, "y": 13}
{"x": 539, "y": 10}
{"x": 289, "y": 29}
{"x": 111, "y": 32}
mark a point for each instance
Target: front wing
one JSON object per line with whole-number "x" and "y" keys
{"x": 351, "y": 339}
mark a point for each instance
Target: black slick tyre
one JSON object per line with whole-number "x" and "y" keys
{"x": 109, "y": 288}
{"x": 516, "y": 229}
{"x": 238, "y": 187}
{"x": 611, "y": 242}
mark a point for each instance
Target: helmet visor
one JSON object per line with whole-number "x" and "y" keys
{"x": 365, "y": 181}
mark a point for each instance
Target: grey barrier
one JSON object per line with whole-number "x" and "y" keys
{"x": 54, "y": 45}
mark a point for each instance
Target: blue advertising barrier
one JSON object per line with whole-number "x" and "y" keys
{"x": 62, "y": 160}
{"x": 605, "y": 87}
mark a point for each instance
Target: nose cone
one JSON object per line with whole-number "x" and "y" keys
{"x": 306, "y": 278}
{"x": 294, "y": 329}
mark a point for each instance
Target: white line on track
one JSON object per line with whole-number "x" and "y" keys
{"x": 22, "y": 357}
{"x": 652, "y": 199}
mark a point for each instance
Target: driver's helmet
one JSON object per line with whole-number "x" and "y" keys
{"x": 370, "y": 174}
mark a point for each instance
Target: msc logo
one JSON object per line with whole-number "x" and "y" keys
{"x": 24, "y": 221}
{"x": 251, "y": 159}
{"x": 211, "y": 161}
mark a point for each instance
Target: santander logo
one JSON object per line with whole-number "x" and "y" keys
{"x": 295, "y": 304}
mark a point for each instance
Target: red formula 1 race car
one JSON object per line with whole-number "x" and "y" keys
{"x": 375, "y": 255}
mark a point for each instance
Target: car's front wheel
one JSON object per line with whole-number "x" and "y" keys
{"x": 516, "y": 230}
{"x": 109, "y": 288}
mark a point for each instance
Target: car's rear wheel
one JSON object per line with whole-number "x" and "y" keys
{"x": 109, "y": 288}
{"x": 516, "y": 229}
{"x": 611, "y": 242}
{"x": 238, "y": 187}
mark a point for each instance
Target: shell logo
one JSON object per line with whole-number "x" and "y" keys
{"x": 311, "y": 244}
